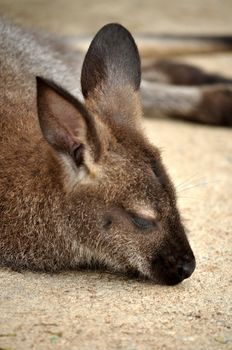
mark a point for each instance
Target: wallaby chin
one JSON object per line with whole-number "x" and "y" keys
{"x": 80, "y": 185}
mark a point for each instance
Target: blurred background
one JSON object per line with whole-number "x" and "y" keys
{"x": 72, "y": 17}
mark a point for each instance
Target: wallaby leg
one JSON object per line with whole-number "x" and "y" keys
{"x": 209, "y": 104}
{"x": 178, "y": 73}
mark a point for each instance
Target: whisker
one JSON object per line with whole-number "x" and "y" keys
{"x": 189, "y": 179}
{"x": 201, "y": 184}
{"x": 191, "y": 187}
{"x": 189, "y": 197}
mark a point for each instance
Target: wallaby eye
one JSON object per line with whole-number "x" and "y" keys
{"x": 107, "y": 223}
{"x": 156, "y": 168}
{"x": 78, "y": 154}
{"x": 142, "y": 223}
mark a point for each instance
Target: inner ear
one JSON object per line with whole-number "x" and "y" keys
{"x": 65, "y": 122}
{"x": 111, "y": 71}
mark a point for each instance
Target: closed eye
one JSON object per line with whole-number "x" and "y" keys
{"x": 142, "y": 223}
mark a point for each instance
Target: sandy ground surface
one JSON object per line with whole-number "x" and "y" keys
{"x": 95, "y": 310}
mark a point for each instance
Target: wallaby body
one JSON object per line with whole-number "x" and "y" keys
{"x": 79, "y": 182}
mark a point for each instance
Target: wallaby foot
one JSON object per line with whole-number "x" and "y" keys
{"x": 209, "y": 104}
{"x": 215, "y": 107}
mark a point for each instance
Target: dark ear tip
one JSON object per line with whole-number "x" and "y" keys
{"x": 40, "y": 81}
{"x": 114, "y": 26}
{"x": 115, "y": 29}
{"x": 43, "y": 84}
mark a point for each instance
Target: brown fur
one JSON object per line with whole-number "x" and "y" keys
{"x": 79, "y": 182}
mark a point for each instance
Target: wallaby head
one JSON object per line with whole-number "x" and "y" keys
{"x": 113, "y": 198}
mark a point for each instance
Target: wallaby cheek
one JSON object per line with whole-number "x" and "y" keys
{"x": 118, "y": 243}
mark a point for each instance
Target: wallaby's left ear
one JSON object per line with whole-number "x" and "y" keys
{"x": 111, "y": 72}
{"x": 65, "y": 123}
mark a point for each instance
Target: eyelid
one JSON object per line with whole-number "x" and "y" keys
{"x": 146, "y": 214}
{"x": 143, "y": 222}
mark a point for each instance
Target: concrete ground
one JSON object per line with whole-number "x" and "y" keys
{"x": 95, "y": 310}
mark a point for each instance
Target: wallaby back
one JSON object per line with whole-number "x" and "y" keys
{"x": 79, "y": 182}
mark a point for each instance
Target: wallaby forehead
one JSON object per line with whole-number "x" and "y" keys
{"x": 132, "y": 159}
{"x": 144, "y": 164}
{"x": 136, "y": 190}
{"x": 135, "y": 143}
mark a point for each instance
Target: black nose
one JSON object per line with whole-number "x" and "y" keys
{"x": 173, "y": 270}
{"x": 186, "y": 268}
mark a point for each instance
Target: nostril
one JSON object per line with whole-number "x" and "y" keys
{"x": 186, "y": 269}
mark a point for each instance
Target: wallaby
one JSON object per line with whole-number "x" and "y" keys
{"x": 79, "y": 182}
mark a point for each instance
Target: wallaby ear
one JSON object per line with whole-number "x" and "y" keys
{"x": 111, "y": 71}
{"x": 65, "y": 122}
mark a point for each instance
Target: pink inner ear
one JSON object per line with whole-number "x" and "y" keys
{"x": 64, "y": 121}
{"x": 65, "y": 113}
{"x": 62, "y": 124}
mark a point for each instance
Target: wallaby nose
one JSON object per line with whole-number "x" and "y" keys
{"x": 174, "y": 270}
{"x": 186, "y": 268}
